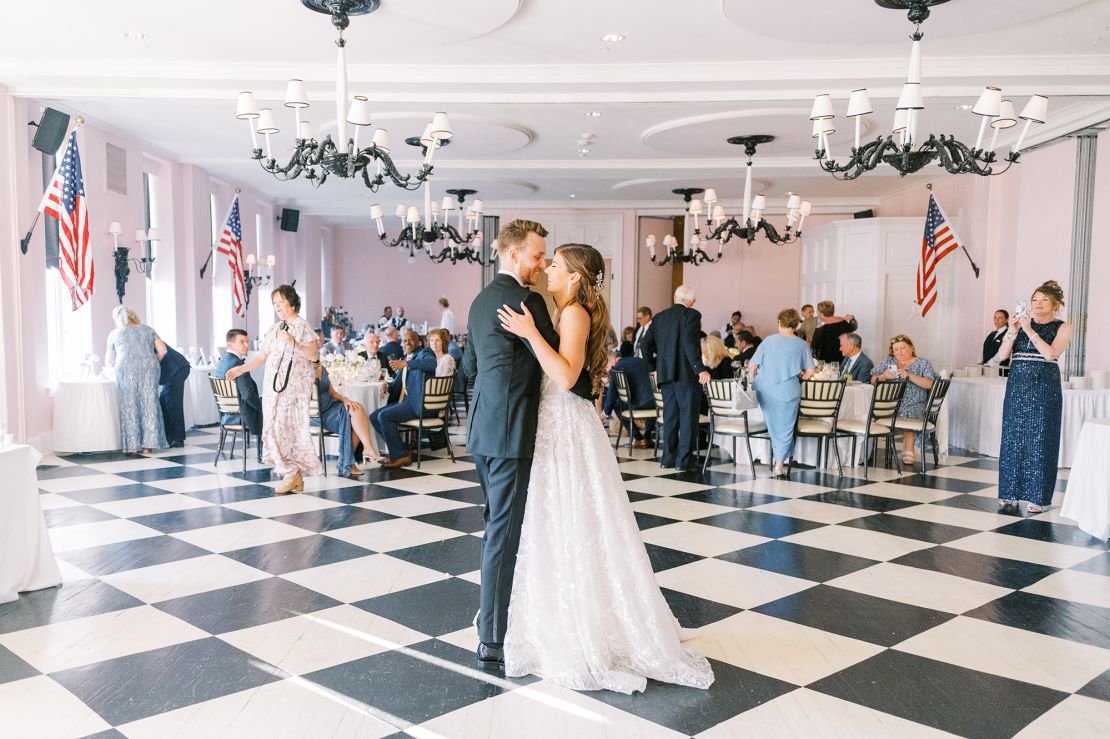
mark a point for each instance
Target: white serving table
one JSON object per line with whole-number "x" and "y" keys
{"x": 1087, "y": 500}
{"x": 26, "y": 557}
{"x": 86, "y": 416}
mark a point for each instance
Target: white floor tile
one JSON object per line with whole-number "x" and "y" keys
{"x": 968, "y": 519}
{"x": 412, "y": 505}
{"x": 428, "y": 484}
{"x": 316, "y": 483}
{"x": 40, "y": 707}
{"x": 229, "y": 466}
{"x": 679, "y": 509}
{"x": 781, "y": 488}
{"x": 970, "y": 474}
{"x": 184, "y": 577}
{"x": 385, "y": 536}
{"x": 1075, "y": 717}
{"x": 646, "y": 467}
{"x": 858, "y": 542}
{"x": 282, "y": 505}
{"x": 81, "y": 536}
{"x": 200, "y": 482}
{"x": 131, "y": 465}
{"x": 920, "y": 587}
{"x": 697, "y": 538}
{"x": 726, "y": 582}
{"x": 1083, "y": 587}
{"x": 813, "y": 510}
{"x": 364, "y": 577}
{"x": 663, "y": 486}
{"x": 443, "y": 466}
{"x": 1027, "y": 550}
{"x": 230, "y": 536}
{"x": 149, "y": 505}
{"x": 910, "y": 493}
{"x": 53, "y": 501}
{"x": 83, "y": 482}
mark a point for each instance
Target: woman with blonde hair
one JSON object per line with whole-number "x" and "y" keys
{"x": 715, "y": 356}
{"x": 134, "y": 351}
{"x": 584, "y": 626}
{"x": 1034, "y": 404}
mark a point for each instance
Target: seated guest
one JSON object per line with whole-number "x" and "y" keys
{"x": 826, "y": 337}
{"x": 371, "y": 347}
{"x": 438, "y": 340}
{"x": 175, "y": 369}
{"x": 855, "y": 364}
{"x": 392, "y": 347}
{"x": 627, "y": 337}
{"x": 250, "y": 402}
{"x": 746, "y": 343}
{"x": 387, "y": 318}
{"x": 994, "y": 339}
{"x": 715, "y": 357}
{"x": 399, "y": 321}
{"x": 343, "y": 417}
{"x": 636, "y": 372}
{"x": 903, "y": 362}
{"x": 338, "y": 343}
{"x": 406, "y": 394}
{"x": 809, "y": 324}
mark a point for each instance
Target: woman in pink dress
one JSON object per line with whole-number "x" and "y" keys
{"x": 288, "y": 350}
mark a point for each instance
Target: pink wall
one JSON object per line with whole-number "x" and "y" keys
{"x": 653, "y": 283}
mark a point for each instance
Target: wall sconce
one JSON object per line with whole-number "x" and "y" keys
{"x": 250, "y": 281}
{"x": 123, "y": 260}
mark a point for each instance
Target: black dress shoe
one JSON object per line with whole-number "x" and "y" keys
{"x": 491, "y": 657}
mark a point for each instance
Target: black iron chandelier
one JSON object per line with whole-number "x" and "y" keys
{"x": 318, "y": 160}
{"x": 752, "y": 221}
{"x": 903, "y": 149}
{"x": 693, "y": 254}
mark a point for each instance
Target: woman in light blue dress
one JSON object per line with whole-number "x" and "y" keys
{"x": 780, "y": 363}
{"x": 134, "y": 350}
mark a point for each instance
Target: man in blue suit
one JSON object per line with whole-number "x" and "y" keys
{"x": 174, "y": 374}
{"x": 636, "y": 371}
{"x": 855, "y": 364}
{"x": 250, "y": 402}
{"x": 406, "y": 394}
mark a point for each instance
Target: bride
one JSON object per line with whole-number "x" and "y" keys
{"x": 585, "y": 609}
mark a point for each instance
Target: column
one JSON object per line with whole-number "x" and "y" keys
{"x": 1086, "y": 153}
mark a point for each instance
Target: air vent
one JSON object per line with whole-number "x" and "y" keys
{"x": 115, "y": 161}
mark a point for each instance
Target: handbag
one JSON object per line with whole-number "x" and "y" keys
{"x": 743, "y": 400}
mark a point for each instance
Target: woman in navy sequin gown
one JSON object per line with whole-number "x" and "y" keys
{"x": 1034, "y": 401}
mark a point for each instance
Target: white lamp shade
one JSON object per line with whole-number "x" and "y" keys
{"x": 376, "y": 212}
{"x": 822, "y": 108}
{"x": 448, "y": 202}
{"x": 1007, "y": 118}
{"x": 140, "y": 234}
{"x": 153, "y": 235}
{"x": 306, "y": 131}
{"x": 266, "y": 122}
{"x": 435, "y": 208}
{"x": 1036, "y": 109}
{"x": 246, "y": 107}
{"x": 900, "y": 117}
{"x": 793, "y": 202}
{"x": 426, "y": 138}
{"x": 271, "y": 260}
{"x": 295, "y": 95}
{"x": 651, "y": 241}
{"x": 718, "y": 213}
{"x": 359, "y": 112}
{"x": 115, "y": 229}
{"x": 759, "y": 202}
{"x": 695, "y": 208}
{"x": 251, "y": 259}
{"x": 823, "y": 126}
{"x": 911, "y": 97}
{"x": 710, "y": 196}
{"x": 381, "y": 140}
{"x": 479, "y": 206}
{"x": 807, "y": 208}
{"x": 400, "y": 211}
{"x": 859, "y": 103}
{"x": 669, "y": 240}
{"x": 441, "y": 127}
{"x": 989, "y": 103}
{"x": 413, "y": 215}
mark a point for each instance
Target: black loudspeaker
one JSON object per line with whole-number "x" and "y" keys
{"x": 864, "y": 214}
{"x": 290, "y": 218}
{"x": 51, "y": 131}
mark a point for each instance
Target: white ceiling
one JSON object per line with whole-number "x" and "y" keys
{"x": 518, "y": 77}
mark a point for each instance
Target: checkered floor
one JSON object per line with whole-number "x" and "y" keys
{"x": 196, "y": 603}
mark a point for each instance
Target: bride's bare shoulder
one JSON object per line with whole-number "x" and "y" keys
{"x": 571, "y": 315}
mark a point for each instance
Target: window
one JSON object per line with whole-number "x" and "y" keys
{"x": 161, "y": 311}
{"x": 222, "y": 314}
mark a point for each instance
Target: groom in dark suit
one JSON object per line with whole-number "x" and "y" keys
{"x": 501, "y": 431}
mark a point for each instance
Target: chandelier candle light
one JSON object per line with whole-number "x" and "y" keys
{"x": 897, "y": 149}
{"x": 317, "y": 160}
{"x": 421, "y": 230}
{"x": 251, "y": 278}
{"x": 693, "y": 253}
{"x": 123, "y": 260}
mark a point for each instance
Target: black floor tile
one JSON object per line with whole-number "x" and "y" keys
{"x": 131, "y": 555}
{"x": 359, "y": 494}
{"x": 100, "y": 457}
{"x": 468, "y": 520}
{"x": 113, "y": 493}
{"x": 434, "y": 609}
{"x": 795, "y": 560}
{"x": 193, "y": 458}
{"x": 978, "y": 503}
{"x": 693, "y": 612}
{"x": 948, "y": 484}
{"x": 761, "y": 524}
{"x": 692, "y": 711}
{"x": 13, "y": 668}
{"x": 106, "y": 734}
{"x": 455, "y": 556}
{"x": 74, "y": 516}
{"x": 243, "y": 606}
{"x": 981, "y": 464}
{"x": 648, "y": 521}
{"x": 411, "y": 685}
{"x": 1057, "y": 533}
{"x": 261, "y": 475}
{"x": 380, "y": 474}
{"x": 828, "y": 479}
{"x": 236, "y": 494}
{"x": 663, "y": 558}
{"x": 635, "y": 497}
{"x": 1098, "y": 688}
{"x": 140, "y": 685}
{"x": 864, "y": 617}
{"x": 163, "y": 473}
{"x": 173, "y": 522}
{"x": 946, "y": 697}
{"x": 709, "y": 477}
{"x": 465, "y": 476}
{"x": 1005, "y": 573}
{"x": 730, "y": 497}
{"x": 65, "y": 603}
{"x": 329, "y": 519}
{"x": 473, "y": 496}
{"x": 1063, "y": 618}
{"x": 935, "y": 533}
{"x": 863, "y": 501}
{"x": 55, "y": 472}
{"x": 298, "y": 554}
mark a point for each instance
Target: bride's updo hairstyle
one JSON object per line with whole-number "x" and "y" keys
{"x": 1053, "y": 292}
{"x": 590, "y": 267}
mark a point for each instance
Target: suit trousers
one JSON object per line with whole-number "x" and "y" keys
{"x": 172, "y": 400}
{"x": 681, "y": 408}
{"x": 388, "y": 422}
{"x": 505, "y": 484}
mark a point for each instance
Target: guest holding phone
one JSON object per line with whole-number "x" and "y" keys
{"x": 903, "y": 363}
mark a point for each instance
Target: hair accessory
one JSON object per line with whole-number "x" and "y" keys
{"x": 599, "y": 281}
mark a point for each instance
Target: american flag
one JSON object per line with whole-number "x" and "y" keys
{"x": 65, "y": 200}
{"x": 940, "y": 240}
{"x": 231, "y": 244}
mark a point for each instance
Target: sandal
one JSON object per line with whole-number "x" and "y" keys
{"x": 1034, "y": 508}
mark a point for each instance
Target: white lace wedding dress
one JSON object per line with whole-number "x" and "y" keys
{"x": 585, "y": 610}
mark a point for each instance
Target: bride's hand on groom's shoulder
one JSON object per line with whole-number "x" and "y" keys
{"x": 521, "y": 324}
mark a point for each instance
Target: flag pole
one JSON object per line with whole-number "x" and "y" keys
{"x": 215, "y": 238}
{"x": 974, "y": 266}
{"x": 25, "y": 242}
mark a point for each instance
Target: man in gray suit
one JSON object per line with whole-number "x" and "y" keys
{"x": 855, "y": 364}
{"x": 501, "y": 432}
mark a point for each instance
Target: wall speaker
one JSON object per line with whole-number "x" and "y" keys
{"x": 51, "y": 131}
{"x": 864, "y": 214}
{"x": 290, "y": 218}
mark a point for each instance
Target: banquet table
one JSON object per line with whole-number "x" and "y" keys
{"x": 1087, "y": 500}
{"x": 200, "y": 404}
{"x": 856, "y": 404}
{"x": 369, "y": 394}
{"x": 26, "y": 557}
{"x": 976, "y": 424}
{"x": 86, "y": 416}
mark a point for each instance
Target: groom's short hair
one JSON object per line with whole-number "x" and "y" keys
{"x": 514, "y": 233}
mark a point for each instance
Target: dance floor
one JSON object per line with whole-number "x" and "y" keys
{"x": 196, "y": 603}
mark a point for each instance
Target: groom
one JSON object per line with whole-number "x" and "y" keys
{"x": 501, "y": 432}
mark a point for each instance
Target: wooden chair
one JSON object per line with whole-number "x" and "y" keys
{"x": 628, "y": 414}
{"x": 226, "y": 393}
{"x": 437, "y": 400}
{"x": 318, "y": 429}
{"x": 726, "y": 420}
{"x": 879, "y": 422}
{"x": 927, "y": 426}
{"x": 817, "y": 416}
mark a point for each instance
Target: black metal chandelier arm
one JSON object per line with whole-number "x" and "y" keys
{"x": 788, "y": 236}
{"x": 725, "y": 231}
{"x": 405, "y": 238}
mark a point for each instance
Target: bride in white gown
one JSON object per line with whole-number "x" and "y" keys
{"x": 585, "y": 609}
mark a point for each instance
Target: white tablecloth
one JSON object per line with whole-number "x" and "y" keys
{"x": 1087, "y": 500}
{"x": 26, "y": 558}
{"x": 977, "y": 415}
{"x": 86, "y": 416}
{"x": 855, "y": 405}
{"x": 200, "y": 405}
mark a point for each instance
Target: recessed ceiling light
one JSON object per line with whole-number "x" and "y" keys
{"x": 593, "y": 114}
{"x": 134, "y": 36}
{"x": 586, "y": 135}
{"x": 583, "y": 151}
{"x": 584, "y": 142}
{"x": 572, "y": 195}
{"x": 963, "y": 107}
{"x": 613, "y": 38}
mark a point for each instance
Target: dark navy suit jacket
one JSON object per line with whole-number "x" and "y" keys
{"x": 250, "y": 403}
{"x": 422, "y": 364}
{"x": 861, "y": 370}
